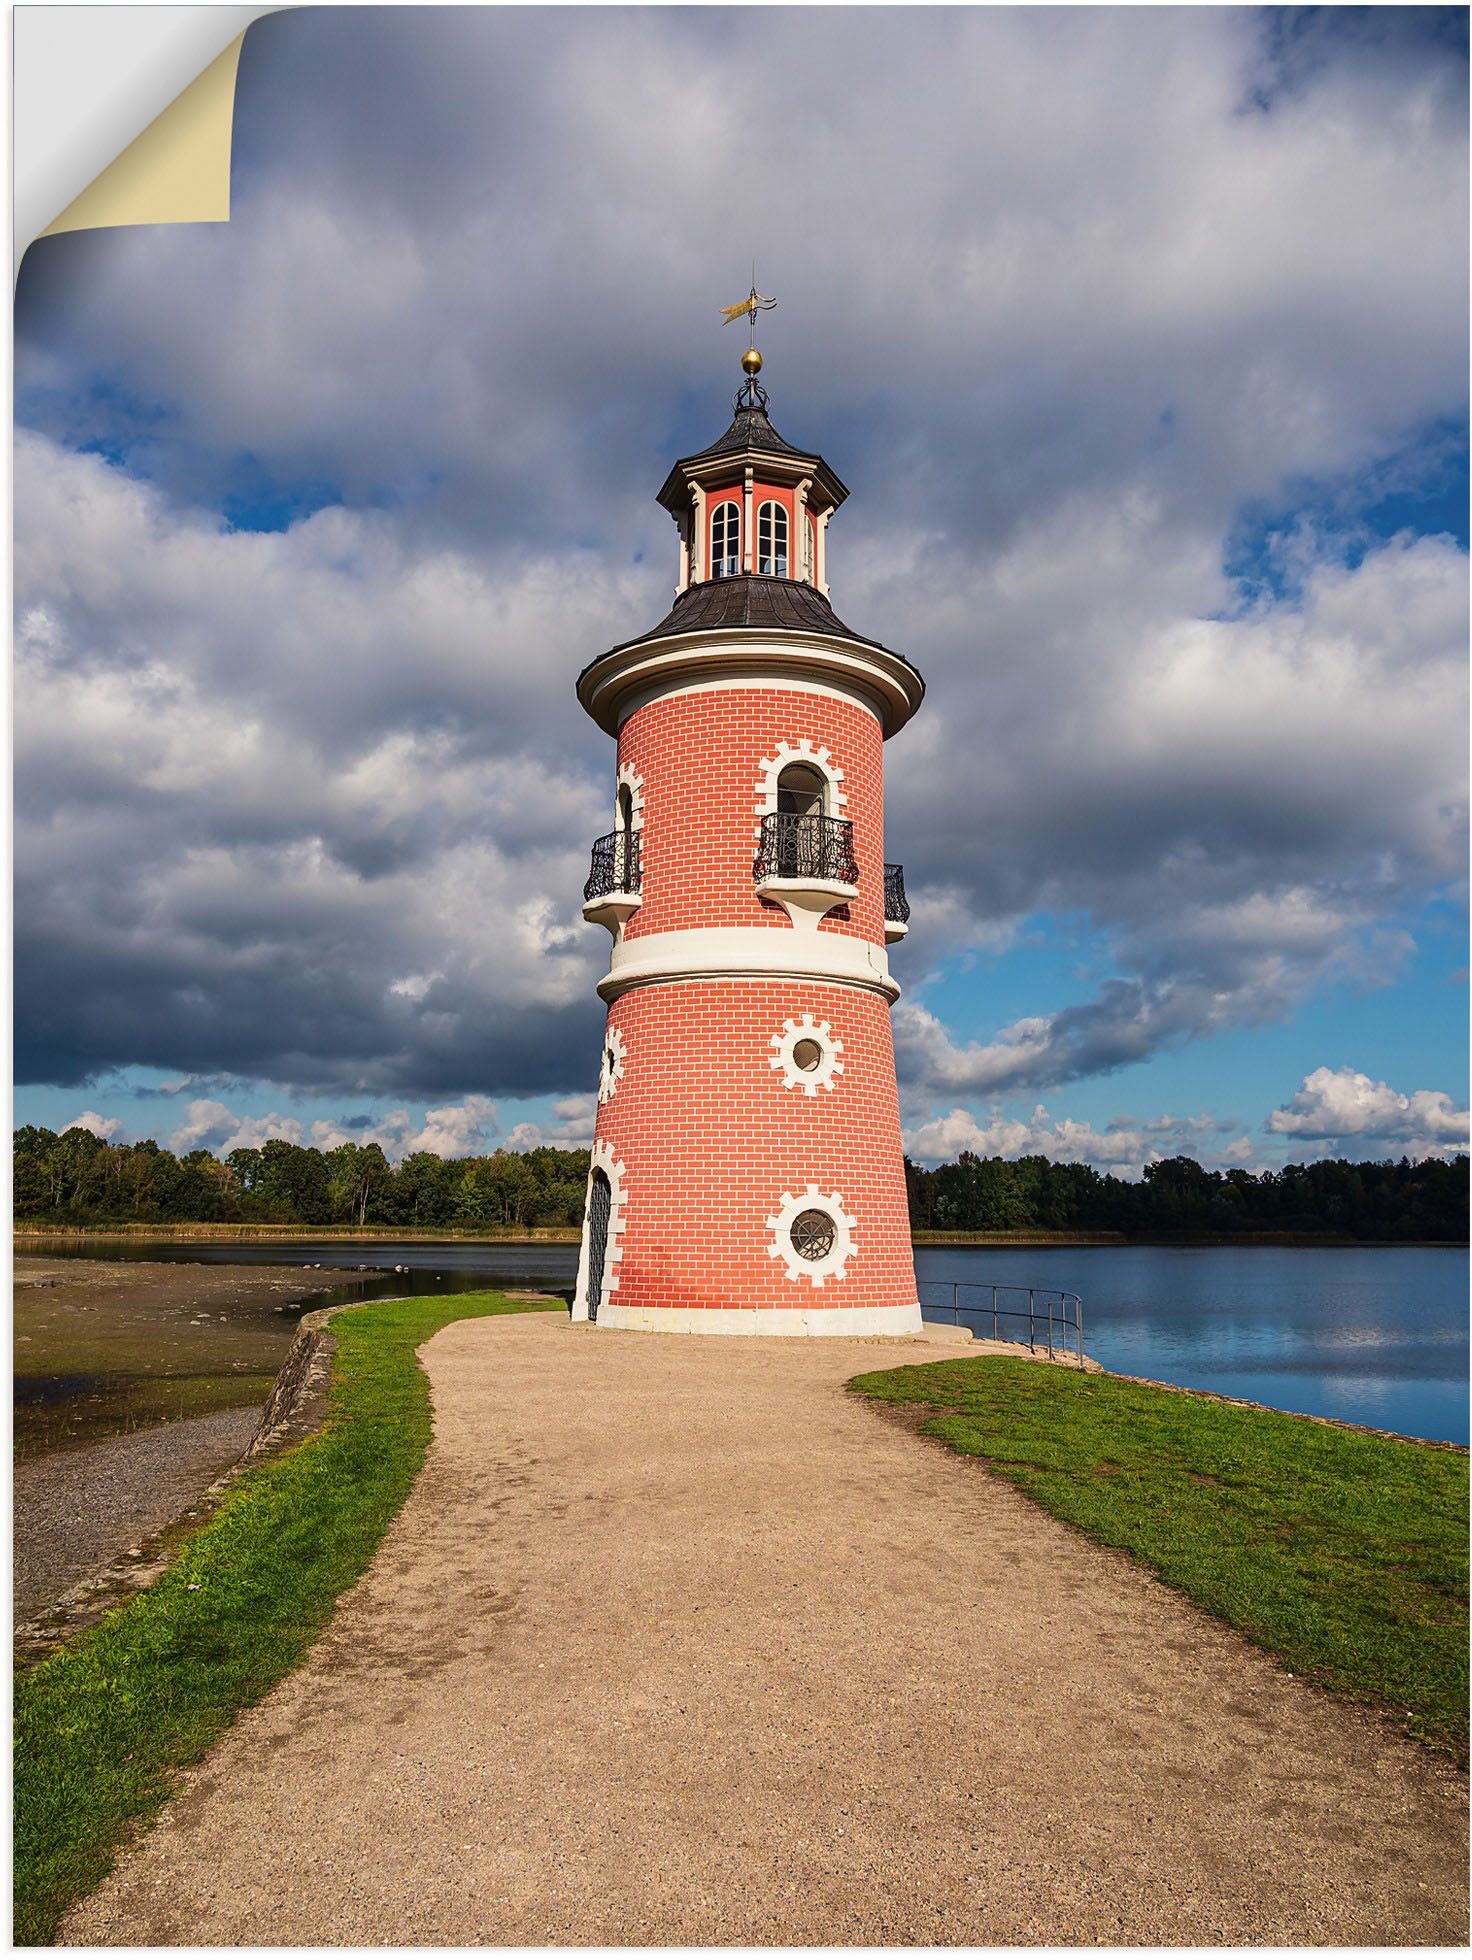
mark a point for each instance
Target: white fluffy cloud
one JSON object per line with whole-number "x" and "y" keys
{"x": 292, "y": 805}
{"x": 571, "y": 1129}
{"x": 1338, "y": 1104}
{"x": 106, "y": 1127}
{"x": 1124, "y": 1146}
{"x": 464, "y": 1129}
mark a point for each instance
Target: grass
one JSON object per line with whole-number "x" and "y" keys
{"x": 1343, "y": 1553}
{"x": 100, "y": 1726}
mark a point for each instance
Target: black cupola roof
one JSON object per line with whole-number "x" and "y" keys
{"x": 751, "y": 433}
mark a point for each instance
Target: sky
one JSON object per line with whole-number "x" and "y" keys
{"x": 1139, "y": 336}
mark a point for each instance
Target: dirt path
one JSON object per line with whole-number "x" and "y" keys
{"x": 78, "y": 1510}
{"x": 676, "y": 1643}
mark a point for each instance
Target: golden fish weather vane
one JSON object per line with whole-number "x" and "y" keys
{"x": 754, "y": 303}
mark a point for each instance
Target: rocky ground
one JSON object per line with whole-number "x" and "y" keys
{"x": 77, "y": 1512}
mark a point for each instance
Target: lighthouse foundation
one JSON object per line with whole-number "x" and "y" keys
{"x": 850, "y": 1322}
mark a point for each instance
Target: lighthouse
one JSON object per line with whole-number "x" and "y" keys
{"x": 747, "y": 1174}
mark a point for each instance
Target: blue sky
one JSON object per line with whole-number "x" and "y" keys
{"x": 1139, "y": 336}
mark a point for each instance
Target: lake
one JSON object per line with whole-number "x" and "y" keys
{"x": 1369, "y": 1334}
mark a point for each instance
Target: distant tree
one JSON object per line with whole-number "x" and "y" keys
{"x": 78, "y": 1178}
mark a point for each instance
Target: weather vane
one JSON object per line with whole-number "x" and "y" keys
{"x": 752, "y": 395}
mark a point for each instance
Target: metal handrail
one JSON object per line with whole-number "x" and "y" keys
{"x": 1055, "y": 1318}
{"x": 896, "y": 905}
{"x": 615, "y": 865}
{"x": 801, "y": 846}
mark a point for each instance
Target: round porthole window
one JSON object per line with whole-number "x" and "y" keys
{"x": 807, "y": 1052}
{"x": 813, "y": 1233}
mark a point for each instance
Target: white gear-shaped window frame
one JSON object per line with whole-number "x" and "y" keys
{"x": 771, "y": 767}
{"x": 615, "y": 1053}
{"x": 780, "y": 1224}
{"x": 786, "y": 1044}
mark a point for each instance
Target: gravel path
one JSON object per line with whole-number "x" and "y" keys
{"x": 677, "y": 1643}
{"x": 78, "y": 1511}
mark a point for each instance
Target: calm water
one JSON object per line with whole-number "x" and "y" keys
{"x": 1369, "y": 1335}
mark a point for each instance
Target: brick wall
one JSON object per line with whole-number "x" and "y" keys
{"x": 710, "y": 1138}
{"x": 700, "y": 756}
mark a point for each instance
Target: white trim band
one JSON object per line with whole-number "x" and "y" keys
{"x": 857, "y": 1323}
{"x": 740, "y": 952}
{"x": 611, "y": 685}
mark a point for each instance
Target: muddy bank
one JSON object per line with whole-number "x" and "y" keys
{"x": 112, "y": 1348}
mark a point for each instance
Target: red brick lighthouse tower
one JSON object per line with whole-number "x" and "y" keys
{"x": 747, "y": 1176}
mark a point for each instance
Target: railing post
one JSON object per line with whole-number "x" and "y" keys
{"x": 995, "y": 1335}
{"x": 1032, "y": 1346}
{"x": 1050, "y": 1326}
{"x": 1078, "y": 1308}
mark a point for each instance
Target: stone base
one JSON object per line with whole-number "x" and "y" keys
{"x": 855, "y": 1322}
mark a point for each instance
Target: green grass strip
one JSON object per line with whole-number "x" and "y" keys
{"x": 100, "y": 1725}
{"x": 1345, "y": 1554}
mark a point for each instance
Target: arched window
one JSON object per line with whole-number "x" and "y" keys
{"x": 802, "y": 799}
{"x": 771, "y": 540}
{"x": 802, "y": 791}
{"x": 600, "y": 1208}
{"x": 625, "y": 842}
{"x": 725, "y": 540}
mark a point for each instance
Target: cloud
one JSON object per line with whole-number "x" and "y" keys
{"x": 350, "y": 872}
{"x": 210, "y": 1125}
{"x": 312, "y": 803}
{"x": 463, "y": 1129}
{"x": 1335, "y": 1105}
{"x": 457, "y": 1129}
{"x": 1124, "y": 1146}
{"x": 106, "y": 1127}
{"x": 572, "y": 1130}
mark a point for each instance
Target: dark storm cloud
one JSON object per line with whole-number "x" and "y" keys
{"x": 314, "y": 803}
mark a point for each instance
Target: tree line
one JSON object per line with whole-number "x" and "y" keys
{"x": 78, "y": 1179}
{"x": 1178, "y": 1196}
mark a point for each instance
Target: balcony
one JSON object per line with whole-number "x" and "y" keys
{"x": 806, "y": 864}
{"x": 896, "y": 905}
{"x": 611, "y": 895}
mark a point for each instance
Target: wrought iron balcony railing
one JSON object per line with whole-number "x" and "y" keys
{"x": 793, "y": 846}
{"x": 615, "y": 865}
{"x": 896, "y": 905}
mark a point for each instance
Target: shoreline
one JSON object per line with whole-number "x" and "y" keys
{"x": 571, "y": 1235}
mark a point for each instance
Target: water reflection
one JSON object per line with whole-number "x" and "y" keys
{"x": 1375, "y": 1335}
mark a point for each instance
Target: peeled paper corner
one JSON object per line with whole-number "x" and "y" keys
{"x": 177, "y": 171}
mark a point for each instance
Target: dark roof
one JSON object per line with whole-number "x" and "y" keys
{"x": 784, "y": 604}
{"x": 751, "y": 429}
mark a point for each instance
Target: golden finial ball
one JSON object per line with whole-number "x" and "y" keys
{"x": 751, "y": 362}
